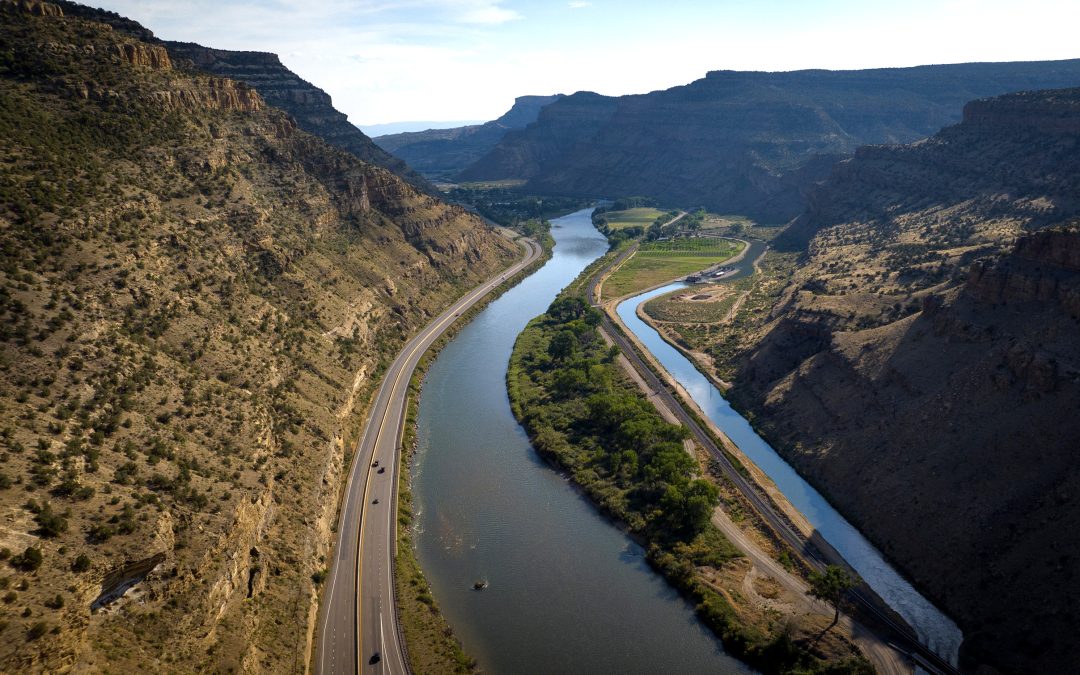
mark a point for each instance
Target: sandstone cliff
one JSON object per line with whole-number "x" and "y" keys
{"x": 742, "y": 142}
{"x": 196, "y": 298}
{"x": 923, "y": 367}
{"x": 310, "y": 106}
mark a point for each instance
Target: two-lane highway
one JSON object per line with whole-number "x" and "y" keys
{"x": 358, "y": 619}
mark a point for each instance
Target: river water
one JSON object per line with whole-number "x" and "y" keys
{"x": 568, "y": 592}
{"x": 934, "y": 628}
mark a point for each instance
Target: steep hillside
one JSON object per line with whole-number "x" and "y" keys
{"x": 744, "y": 142}
{"x": 196, "y": 298}
{"x": 446, "y": 152}
{"x": 310, "y": 106}
{"x": 923, "y": 367}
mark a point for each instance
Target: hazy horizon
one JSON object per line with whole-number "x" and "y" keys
{"x": 448, "y": 60}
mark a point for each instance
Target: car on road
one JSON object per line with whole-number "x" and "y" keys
{"x": 375, "y": 658}
{"x": 375, "y": 463}
{"x": 382, "y": 469}
{"x": 375, "y": 501}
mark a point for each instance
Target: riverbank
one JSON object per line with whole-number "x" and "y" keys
{"x": 556, "y": 394}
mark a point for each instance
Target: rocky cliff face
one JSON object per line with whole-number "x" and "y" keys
{"x": 195, "y": 297}
{"x": 745, "y": 142}
{"x": 1042, "y": 269}
{"x": 444, "y": 153}
{"x": 34, "y": 7}
{"x": 923, "y": 365}
{"x": 310, "y": 106}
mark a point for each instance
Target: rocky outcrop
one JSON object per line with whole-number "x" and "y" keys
{"x": 742, "y": 142}
{"x": 923, "y": 367}
{"x": 1055, "y": 114}
{"x": 444, "y": 153}
{"x": 147, "y": 56}
{"x": 214, "y": 93}
{"x": 1045, "y": 268}
{"x": 35, "y": 7}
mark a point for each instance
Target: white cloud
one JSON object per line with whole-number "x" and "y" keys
{"x": 485, "y": 12}
{"x": 578, "y": 4}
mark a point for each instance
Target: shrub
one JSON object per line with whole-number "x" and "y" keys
{"x": 50, "y": 524}
{"x": 80, "y": 563}
{"x": 35, "y": 631}
{"x": 29, "y": 560}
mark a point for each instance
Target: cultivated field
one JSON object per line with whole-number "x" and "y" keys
{"x": 642, "y": 217}
{"x": 658, "y": 262}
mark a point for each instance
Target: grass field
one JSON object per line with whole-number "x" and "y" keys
{"x": 658, "y": 262}
{"x": 644, "y": 217}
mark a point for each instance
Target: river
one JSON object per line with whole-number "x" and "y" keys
{"x": 568, "y": 592}
{"x": 934, "y": 628}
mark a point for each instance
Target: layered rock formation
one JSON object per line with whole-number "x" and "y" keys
{"x": 311, "y": 107}
{"x": 444, "y": 153}
{"x": 923, "y": 367}
{"x": 742, "y": 142}
{"x": 196, "y": 298}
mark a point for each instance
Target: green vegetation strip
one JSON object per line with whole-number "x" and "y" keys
{"x": 586, "y": 416}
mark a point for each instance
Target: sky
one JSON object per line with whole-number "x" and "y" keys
{"x": 388, "y": 61}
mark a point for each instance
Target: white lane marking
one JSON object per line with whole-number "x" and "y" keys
{"x": 532, "y": 252}
{"x": 382, "y": 643}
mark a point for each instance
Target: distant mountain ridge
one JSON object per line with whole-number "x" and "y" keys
{"x": 388, "y": 128}
{"x": 744, "y": 142}
{"x": 446, "y": 152}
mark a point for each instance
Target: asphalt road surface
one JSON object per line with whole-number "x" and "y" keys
{"x": 355, "y": 626}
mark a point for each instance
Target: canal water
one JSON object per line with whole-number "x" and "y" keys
{"x": 568, "y": 592}
{"x": 934, "y": 628}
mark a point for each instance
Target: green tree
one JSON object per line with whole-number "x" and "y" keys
{"x": 562, "y": 345}
{"x": 831, "y": 586}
